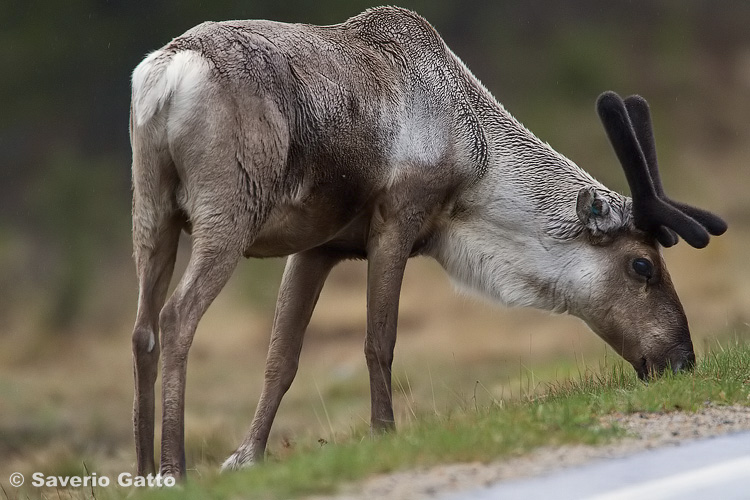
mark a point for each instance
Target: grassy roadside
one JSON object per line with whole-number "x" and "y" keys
{"x": 568, "y": 412}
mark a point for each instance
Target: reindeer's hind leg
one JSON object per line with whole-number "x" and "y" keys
{"x": 303, "y": 280}
{"x": 156, "y": 230}
{"x": 211, "y": 263}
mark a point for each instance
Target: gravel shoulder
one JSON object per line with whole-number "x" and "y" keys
{"x": 646, "y": 431}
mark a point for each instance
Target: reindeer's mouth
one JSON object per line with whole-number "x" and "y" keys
{"x": 678, "y": 360}
{"x": 642, "y": 369}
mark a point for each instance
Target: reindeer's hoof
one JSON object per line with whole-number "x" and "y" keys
{"x": 240, "y": 459}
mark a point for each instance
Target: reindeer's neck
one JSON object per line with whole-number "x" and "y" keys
{"x": 516, "y": 226}
{"x": 529, "y": 182}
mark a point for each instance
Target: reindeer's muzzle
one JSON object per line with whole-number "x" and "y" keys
{"x": 680, "y": 358}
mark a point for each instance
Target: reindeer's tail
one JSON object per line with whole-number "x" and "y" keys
{"x": 150, "y": 87}
{"x": 160, "y": 76}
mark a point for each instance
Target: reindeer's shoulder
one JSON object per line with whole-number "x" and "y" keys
{"x": 394, "y": 24}
{"x": 389, "y": 14}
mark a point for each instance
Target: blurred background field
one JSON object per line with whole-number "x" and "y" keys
{"x": 67, "y": 286}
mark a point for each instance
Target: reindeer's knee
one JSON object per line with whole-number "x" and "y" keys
{"x": 168, "y": 316}
{"x": 283, "y": 374}
{"x": 286, "y": 377}
{"x": 371, "y": 355}
{"x": 377, "y": 355}
{"x": 172, "y": 330}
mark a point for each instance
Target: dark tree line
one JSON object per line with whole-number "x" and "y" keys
{"x": 64, "y": 100}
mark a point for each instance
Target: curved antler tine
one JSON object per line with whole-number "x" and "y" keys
{"x": 671, "y": 218}
{"x": 666, "y": 237}
{"x": 712, "y": 222}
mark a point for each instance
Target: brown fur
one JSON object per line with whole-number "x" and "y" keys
{"x": 368, "y": 139}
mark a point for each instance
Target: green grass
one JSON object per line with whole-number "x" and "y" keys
{"x": 567, "y": 412}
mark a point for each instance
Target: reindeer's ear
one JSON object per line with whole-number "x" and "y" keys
{"x": 593, "y": 210}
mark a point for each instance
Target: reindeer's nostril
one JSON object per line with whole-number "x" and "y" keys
{"x": 686, "y": 364}
{"x": 683, "y": 362}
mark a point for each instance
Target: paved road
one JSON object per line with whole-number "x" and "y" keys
{"x": 714, "y": 468}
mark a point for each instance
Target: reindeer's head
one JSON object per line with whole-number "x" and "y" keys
{"x": 633, "y": 304}
{"x": 542, "y": 233}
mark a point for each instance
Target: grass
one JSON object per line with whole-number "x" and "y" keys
{"x": 567, "y": 412}
{"x": 478, "y": 427}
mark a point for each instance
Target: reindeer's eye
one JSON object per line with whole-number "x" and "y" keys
{"x": 643, "y": 267}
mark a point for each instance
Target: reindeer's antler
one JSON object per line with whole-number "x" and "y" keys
{"x": 653, "y": 211}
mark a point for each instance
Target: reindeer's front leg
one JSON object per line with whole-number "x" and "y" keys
{"x": 392, "y": 235}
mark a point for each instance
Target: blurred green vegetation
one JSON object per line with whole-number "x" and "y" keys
{"x": 64, "y": 100}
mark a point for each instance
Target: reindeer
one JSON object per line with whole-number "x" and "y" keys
{"x": 371, "y": 140}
